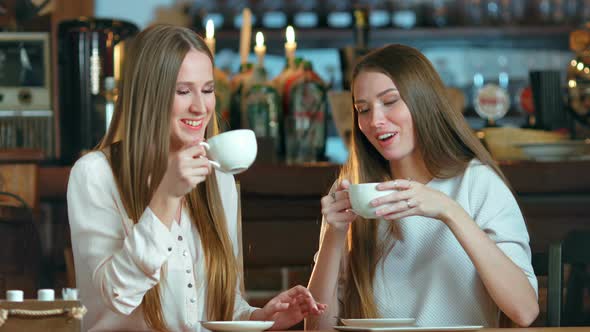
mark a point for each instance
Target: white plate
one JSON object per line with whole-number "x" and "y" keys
{"x": 378, "y": 322}
{"x": 238, "y": 325}
{"x": 410, "y": 328}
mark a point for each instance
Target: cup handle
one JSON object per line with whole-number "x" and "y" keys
{"x": 212, "y": 162}
{"x": 205, "y": 145}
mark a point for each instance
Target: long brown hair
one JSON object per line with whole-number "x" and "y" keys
{"x": 138, "y": 142}
{"x": 443, "y": 138}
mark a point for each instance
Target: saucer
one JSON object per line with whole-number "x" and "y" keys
{"x": 378, "y": 322}
{"x": 238, "y": 325}
{"x": 409, "y": 328}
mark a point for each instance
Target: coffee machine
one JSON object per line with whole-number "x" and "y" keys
{"x": 91, "y": 53}
{"x": 26, "y": 115}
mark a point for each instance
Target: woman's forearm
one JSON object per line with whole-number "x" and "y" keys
{"x": 324, "y": 278}
{"x": 505, "y": 281}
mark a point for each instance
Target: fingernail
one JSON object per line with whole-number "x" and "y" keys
{"x": 374, "y": 202}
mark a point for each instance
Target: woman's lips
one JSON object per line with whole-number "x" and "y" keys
{"x": 192, "y": 124}
{"x": 386, "y": 139}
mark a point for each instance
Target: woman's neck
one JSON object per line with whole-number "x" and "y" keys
{"x": 412, "y": 167}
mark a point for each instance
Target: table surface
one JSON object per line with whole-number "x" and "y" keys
{"x": 528, "y": 329}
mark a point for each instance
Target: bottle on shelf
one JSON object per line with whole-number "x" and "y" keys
{"x": 379, "y": 13}
{"x": 222, "y": 98}
{"x": 261, "y": 107}
{"x": 261, "y": 110}
{"x": 304, "y": 115}
{"x": 305, "y": 13}
{"x": 440, "y": 13}
{"x": 405, "y": 14}
{"x": 272, "y": 14}
{"x": 473, "y": 13}
{"x": 203, "y": 11}
{"x": 337, "y": 14}
{"x": 349, "y": 54}
{"x": 237, "y": 84}
{"x": 234, "y": 10}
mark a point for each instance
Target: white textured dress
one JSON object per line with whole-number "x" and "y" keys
{"x": 428, "y": 275}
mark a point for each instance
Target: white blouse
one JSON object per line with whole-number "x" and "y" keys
{"x": 117, "y": 261}
{"x": 428, "y": 275}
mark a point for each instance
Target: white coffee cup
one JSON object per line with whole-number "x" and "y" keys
{"x": 14, "y": 295}
{"x": 46, "y": 295}
{"x": 362, "y": 194}
{"x": 232, "y": 151}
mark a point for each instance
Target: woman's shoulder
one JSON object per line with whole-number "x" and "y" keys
{"x": 482, "y": 178}
{"x": 92, "y": 165}
{"x": 477, "y": 169}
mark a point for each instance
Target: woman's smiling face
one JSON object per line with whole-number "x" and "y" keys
{"x": 383, "y": 117}
{"x": 194, "y": 100}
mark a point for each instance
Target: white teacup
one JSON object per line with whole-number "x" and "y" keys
{"x": 362, "y": 194}
{"x": 232, "y": 151}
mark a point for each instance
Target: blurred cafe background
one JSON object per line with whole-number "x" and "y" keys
{"x": 518, "y": 70}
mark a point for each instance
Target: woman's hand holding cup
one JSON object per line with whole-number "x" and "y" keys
{"x": 186, "y": 169}
{"x": 336, "y": 207}
{"x": 412, "y": 198}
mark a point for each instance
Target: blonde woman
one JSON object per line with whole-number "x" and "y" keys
{"x": 452, "y": 247}
{"x": 154, "y": 228}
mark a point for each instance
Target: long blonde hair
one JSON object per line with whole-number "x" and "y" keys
{"x": 443, "y": 138}
{"x": 138, "y": 142}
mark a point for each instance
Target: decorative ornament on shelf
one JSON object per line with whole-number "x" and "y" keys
{"x": 492, "y": 103}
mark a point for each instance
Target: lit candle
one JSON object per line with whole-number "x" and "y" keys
{"x": 260, "y": 49}
{"x": 290, "y": 46}
{"x": 209, "y": 39}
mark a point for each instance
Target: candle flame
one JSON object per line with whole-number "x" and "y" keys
{"x": 209, "y": 29}
{"x": 290, "y": 34}
{"x": 259, "y": 39}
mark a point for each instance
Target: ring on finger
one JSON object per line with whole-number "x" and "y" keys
{"x": 408, "y": 204}
{"x": 333, "y": 196}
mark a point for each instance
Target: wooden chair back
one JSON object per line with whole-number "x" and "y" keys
{"x": 568, "y": 309}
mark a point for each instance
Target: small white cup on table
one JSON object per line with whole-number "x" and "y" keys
{"x": 14, "y": 295}
{"x": 46, "y": 295}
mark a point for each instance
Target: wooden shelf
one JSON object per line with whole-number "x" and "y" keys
{"x": 527, "y": 37}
